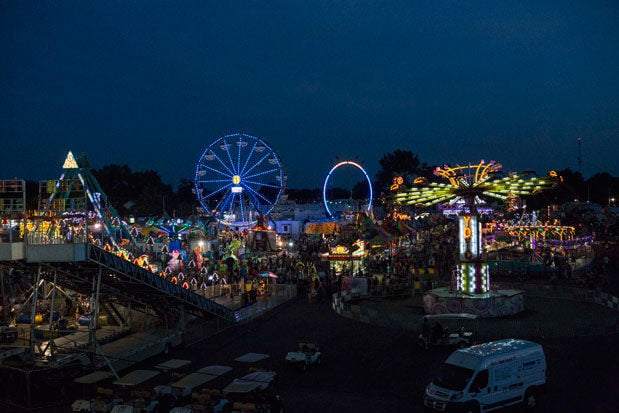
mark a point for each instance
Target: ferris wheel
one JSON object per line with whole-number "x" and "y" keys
{"x": 330, "y": 213}
{"x": 238, "y": 178}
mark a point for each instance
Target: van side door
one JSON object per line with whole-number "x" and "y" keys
{"x": 534, "y": 370}
{"x": 507, "y": 383}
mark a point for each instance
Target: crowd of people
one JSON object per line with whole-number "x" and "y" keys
{"x": 416, "y": 259}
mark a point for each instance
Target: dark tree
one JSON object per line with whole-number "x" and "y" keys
{"x": 115, "y": 180}
{"x": 185, "y": 201}
{"x": 571, "y": 188}
{"x": 152, "y": 194}
{"x": 338, "y": 193}
{"x": 304, "y": 196}
{"x": 32, "y": 195}
{"x": 361, "y": 191}
{"x": 601, "y": 188}
{"x": 398, "y": 163}
{"x": 137, "y": 193}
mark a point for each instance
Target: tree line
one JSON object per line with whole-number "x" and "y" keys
{"x": 143, "y": 193}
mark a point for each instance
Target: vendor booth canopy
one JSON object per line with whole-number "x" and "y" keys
{"x": 230, "y": 256}
{"x": 321, "y": 228}
{"x": 262, "y": 241}
{"x": 532, "y": 258}
{"x": 268, "y": 274}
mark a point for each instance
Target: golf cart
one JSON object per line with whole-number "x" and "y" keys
{"x": 306, "y": 355}
{"x": 447, "y": 330}
{"x": 253, "y": 392}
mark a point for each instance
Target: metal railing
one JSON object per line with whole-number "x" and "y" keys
{"x": 147, "y": 278}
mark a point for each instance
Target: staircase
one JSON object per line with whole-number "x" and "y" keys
{"x": 122, "y": 281}
{"x": 150, "y": 287}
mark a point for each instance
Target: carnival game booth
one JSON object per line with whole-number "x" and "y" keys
{"x": 321, "y": 228}
{"x": 516, "y": 261}
{"x": 560, "y": 239}
{"x": 533, "y": 236}
{"x": 344, "y": 259}
{"x": 542, "y": 250}
{"x": 262, "y": 239}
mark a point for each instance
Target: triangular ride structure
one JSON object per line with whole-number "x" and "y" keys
{"x": 71, "y": 198}
{"x": 77, "y": 178}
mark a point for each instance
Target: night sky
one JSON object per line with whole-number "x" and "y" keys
{"x": 150, "y": 84}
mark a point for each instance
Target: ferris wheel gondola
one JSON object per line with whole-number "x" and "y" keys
{"x": 238, "y": 178}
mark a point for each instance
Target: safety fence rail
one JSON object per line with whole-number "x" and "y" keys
{"x": 149, "y": 279}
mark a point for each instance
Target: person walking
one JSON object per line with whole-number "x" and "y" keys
{"x": 425, "y": 332}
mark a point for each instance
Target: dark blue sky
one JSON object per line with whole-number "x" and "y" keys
{"x": 150, "y": 84}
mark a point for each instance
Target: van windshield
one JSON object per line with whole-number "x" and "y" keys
{"x": 453, "y": 377}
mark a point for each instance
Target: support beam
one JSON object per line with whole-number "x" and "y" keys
{"x": 33, "y": 312}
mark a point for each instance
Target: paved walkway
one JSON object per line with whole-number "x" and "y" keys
{"x": 367, "y": 368}
{"x": 545, "y": 315}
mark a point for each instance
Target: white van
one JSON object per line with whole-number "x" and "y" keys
{"x": 488, "y": 377}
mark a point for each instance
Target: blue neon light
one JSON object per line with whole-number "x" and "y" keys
{"x": 324, "y": 187}
{"x": 253, "y": 170}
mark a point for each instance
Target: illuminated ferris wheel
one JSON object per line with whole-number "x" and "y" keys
{"x": 329, "y": 211}
{"x": 238, "y": 178}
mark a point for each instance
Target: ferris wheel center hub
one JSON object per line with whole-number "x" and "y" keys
{"x": 236, "y": 179}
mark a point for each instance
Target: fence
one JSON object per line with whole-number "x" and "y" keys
{"x": 277, "y": 294}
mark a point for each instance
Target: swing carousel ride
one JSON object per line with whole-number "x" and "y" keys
{"x": 468, "y": 185}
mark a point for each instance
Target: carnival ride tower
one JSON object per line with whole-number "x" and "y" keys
{"x": 468, "y": 185}
{"x": 473, "y": 276}
{"x": 70, "y": 196}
